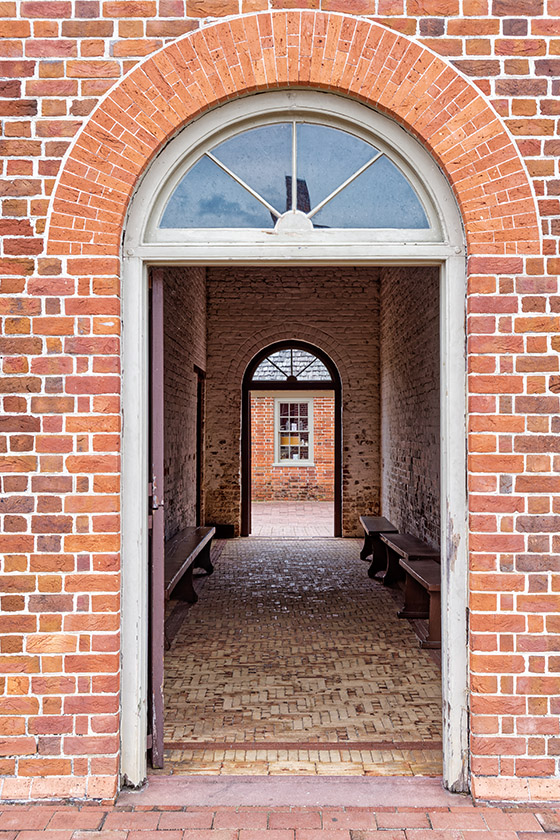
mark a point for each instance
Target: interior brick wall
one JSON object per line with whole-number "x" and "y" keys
{"x": 184, "y": 347}
{"x": 410, "y": 447}
{"x": 291, "y": 482}
{"x": 336, "y": 309}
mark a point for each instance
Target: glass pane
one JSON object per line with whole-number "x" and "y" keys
{"x": 206, "y": 197}
{"x": 262, "y": 157}
{"x": 284, "y": 409}
{"x": 277, "y": 367}
{"x": 284, "y": 453}
{"x": 316, "y": 370}
{"x": 326, "y": 158}
{"x": 381, "y": 197}
{"x": 304, "y": 452}
{"x": 294, "y": 453}
{"x": 267, "y": 371}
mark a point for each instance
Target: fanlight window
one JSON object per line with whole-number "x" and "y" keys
{"x": 323, "y": 177}
{"x": 290, "y": 366}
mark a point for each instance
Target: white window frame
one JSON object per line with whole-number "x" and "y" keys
{"x": 286, "y": 463}
{"x": 146, "y": 240}
{"x": 380, "y": 149}
{"x": 368, "y": 248}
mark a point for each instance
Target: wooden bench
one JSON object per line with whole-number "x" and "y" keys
{"x": 373, "y": 527}
{"x": 407, "y": 547}
{"x": 422, "y": 598}
{"x": 187, "y": 550}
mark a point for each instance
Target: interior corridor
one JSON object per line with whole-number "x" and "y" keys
{"x": 294, "y": 661}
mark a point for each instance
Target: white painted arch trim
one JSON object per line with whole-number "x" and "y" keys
{"x": 446, "y": 250}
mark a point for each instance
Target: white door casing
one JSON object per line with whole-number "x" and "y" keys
{"x": 442, "y": 246}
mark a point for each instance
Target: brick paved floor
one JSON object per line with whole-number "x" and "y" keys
{"x": 292, "y": 519}
{"x": 464, "y": 822}
{"x": 294, "y": 661}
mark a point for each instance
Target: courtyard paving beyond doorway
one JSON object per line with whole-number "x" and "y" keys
{"x": 292, "y": 519}
{"x": 294, "y": 661}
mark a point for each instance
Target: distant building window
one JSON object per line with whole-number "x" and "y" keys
{"x": 293, "y": 432}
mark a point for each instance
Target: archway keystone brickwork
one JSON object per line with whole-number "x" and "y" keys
{"x": 266, "y": 51}
{"x": 67, "y": 678}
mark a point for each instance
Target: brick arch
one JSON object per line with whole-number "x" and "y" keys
{"x": 247, "y": 351}
{"x": 265, "y": 51}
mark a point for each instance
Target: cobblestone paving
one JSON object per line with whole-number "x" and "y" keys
{"x": 40, "y": 822}
{"x": 294, "y": 661}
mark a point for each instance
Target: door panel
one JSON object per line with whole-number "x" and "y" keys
{"x": 157, "y": 546}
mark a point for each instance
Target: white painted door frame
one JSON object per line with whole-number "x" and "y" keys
{"x": 449, "y": 254}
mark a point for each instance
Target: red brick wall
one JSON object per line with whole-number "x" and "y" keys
{"x": 62, "y": 223}
{"x": 291, "y": 482}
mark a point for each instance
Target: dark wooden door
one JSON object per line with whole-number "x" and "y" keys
{"x": 157, "y": 597}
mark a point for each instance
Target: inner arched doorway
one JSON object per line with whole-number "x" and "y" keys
{"x": 314, "y": 370}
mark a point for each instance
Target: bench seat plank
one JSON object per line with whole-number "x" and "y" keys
{"x": 426, "y": 572}
{"x": 187, "y": 549}
{"x": 377, "y": 524}
{"x": 374, "y": 526}
{"x": 422, "y": 598}
{"x": 409, "y": 547}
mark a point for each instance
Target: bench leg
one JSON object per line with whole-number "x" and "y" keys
{"x": 394, "y": 572}
{"x": 367, "y": 548}
{"x": 416, "y": 600}
{"x": 379, "y": 557}
{"x": 203, "y": 560}
{"x": 433, "y": 639}
{"x": 185, "y": 590}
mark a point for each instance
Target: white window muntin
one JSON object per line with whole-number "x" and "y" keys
{"x": 292, "y": 433}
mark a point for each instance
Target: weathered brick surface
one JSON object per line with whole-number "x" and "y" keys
{"x": 410, "y": 402}
{"x": 485, "y": 107}
{"x": 184, "y": 350}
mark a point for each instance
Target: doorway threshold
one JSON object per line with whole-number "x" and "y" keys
{"x": 263, "y": 791}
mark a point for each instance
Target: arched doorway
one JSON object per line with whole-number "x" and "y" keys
{"x": 316, "y": 371}
{"x": 433, "y": 236}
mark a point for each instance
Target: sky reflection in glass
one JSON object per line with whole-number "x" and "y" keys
{"x": 380, "y": 197}
{"x": 262, "y": 157}
{"x": 208, "y": 197}
{"x": 327, "y": 157}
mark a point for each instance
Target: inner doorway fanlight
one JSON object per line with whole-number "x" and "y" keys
{"x": 294, "y": 175}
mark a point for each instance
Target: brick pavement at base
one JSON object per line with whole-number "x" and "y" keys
{"x": 294, "y": 661}
{"x": 292, "y": 519}
{"x": 464, "y": 822}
